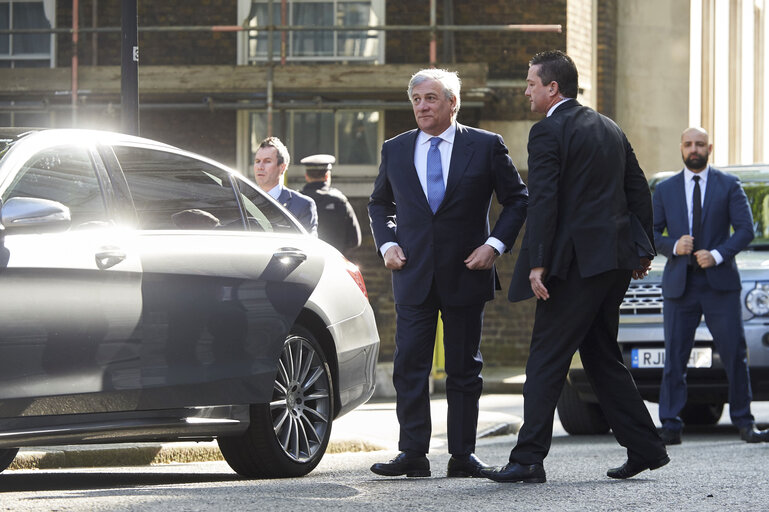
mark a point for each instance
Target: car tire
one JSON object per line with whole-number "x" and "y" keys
{"x": 288, "y": 437}
{"x": 579, "y": 417}
{"x": 6, "y": 457}
{"x": 702, "y": 414}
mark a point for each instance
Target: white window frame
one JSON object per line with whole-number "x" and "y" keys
{"x": 244, "y": 8}
{"x": 49, "y": 7}
{"x": 340, "y": 169}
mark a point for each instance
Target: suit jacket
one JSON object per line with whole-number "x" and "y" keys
{"x": 725, "y": 206}
{"x": 588, "y": 198}
{"x": 436, "y": 245}
{"x": 301, "y": 207}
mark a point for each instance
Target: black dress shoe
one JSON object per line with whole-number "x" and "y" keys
{"x": 670, "y": 436}
{"x": 632, "y": 468}
{"x": 404, "y": 464}
{"x": 514, "y": 472}
{"x": 751, "y": 434}
{"x": 461, "y": 467}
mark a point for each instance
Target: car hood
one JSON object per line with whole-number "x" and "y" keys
{"x": 753, "y": 266}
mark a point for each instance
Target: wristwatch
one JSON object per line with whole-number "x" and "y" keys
{"x": 496, "y": 252}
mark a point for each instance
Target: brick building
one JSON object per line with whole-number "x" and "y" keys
{"x": 219, "y": 91}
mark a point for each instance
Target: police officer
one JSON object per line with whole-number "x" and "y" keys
{"x": 337, "y": 223}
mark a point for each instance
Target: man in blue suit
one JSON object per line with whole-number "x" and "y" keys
{"x": 429, "y": 215}
{"x": 270, "y": 162}
{"x": 698, "y": 206}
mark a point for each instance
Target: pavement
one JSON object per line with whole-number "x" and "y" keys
{"x": 371, "y": 427}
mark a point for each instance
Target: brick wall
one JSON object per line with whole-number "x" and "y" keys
{"x": 178, "y": 48}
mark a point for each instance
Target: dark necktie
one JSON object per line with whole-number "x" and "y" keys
{"x": 696, "y": 215}
{"x": 435, "y": 186}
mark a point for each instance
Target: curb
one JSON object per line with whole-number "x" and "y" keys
{"x": 119, "y": 455}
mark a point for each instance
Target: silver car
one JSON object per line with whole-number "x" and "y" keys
{"x": 642, "y": 340}
{"x": 151, "y": 294}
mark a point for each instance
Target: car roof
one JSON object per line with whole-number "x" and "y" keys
{"x": 745, "y": 172}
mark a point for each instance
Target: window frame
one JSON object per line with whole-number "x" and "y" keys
{"x": 245, "y": 155}
{"x": 244, "y": 9}
{"x": 49, "y": 9}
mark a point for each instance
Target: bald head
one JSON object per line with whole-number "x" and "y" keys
{"x": 692, "y": 130}
{"x": 695, "y": 149}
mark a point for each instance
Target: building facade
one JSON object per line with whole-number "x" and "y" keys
{"x": 217, "y": 76}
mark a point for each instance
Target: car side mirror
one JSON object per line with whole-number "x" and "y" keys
{"x": 33, "y": 214}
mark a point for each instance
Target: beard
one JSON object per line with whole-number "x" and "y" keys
{"x": 696, "y": 161}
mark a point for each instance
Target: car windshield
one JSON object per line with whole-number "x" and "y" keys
{"x": 755, "y": 182}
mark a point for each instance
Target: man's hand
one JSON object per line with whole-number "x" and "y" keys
{"x": 394, "y": 259}
{"x": 643, "y": 269}
{"x": 482, "y": 258}
{"x": 685, "y": 245}
{"x": 705, "y": 259}
{"x": 536, "y": 278}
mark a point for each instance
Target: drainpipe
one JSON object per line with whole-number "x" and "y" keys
{"x": 75, "y": 16}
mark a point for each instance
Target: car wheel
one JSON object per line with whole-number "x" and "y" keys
{"x": 702, "y": 414}
{"x": 6, "y": 457}
{"x": 580, "y": 417}
{"x": 288, "y": 436}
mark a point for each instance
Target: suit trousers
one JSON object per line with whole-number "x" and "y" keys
{"x": 723, "y": 316}
{"x": 414, "y": 345}
{"x": 582, "y": 314}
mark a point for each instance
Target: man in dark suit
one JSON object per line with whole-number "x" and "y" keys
{"x": 337, "y": 223}
{"x": 429, "y": 216}
{"x": 698, "y": 207}
{"x": 577, "y": 258}
{"x": 270, "y": 163}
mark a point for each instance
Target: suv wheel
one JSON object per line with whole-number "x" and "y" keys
{"x": 6, "y": 457}
{"x": 702, "y": 414}
{"x": 578, "y": 416}
{"x": 288, "y": 436}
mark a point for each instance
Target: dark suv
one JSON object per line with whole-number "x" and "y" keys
{"x": 642, "y": 341}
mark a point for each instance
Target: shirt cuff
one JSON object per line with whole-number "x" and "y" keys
{"x": 717, "y": 256}
{"x": 496, "y": 244}
{"x": 385, "y": 246}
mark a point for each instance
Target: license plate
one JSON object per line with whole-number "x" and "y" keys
{"x": 701, "y": 357}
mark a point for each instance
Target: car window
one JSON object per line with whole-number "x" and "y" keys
{"x": 263, "y": 214}
{"x": 172, "y": 191}
{"x": 65, "y": 174}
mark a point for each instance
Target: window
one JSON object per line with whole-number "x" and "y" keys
{"x": 172, "y": 191}
{"x": 262, "y": 214}
{"x": 26, "y": 50}
{"x": 314, "y": 45}
{"x": 350, "y": 135}
{"x": 66, "y": 175}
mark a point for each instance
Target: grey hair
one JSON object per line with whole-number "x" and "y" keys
{"x": 449, "y": 80}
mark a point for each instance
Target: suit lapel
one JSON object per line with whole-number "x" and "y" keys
{"x": 284, "y": 198}
{"x": 713, "y": 179}
{"x": 407, "y": 169}
{"x": 461, "y": 154}
{"x": 680, "y": 191}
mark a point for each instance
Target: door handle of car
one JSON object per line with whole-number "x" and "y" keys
{"x": 290, "y": 255}
{"x": 109, "y": 257}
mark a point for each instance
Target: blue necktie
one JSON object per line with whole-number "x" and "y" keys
{"x": 435, "y": 186}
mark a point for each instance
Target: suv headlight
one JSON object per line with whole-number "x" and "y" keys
{"x": 757, "y": 299}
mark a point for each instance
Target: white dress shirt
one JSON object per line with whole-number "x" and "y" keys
{"x": 420, "y": 162}
{"x": 689, "y": 188}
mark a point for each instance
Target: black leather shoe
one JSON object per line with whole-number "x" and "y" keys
{"x": 403, "y": 464}
{"x": 462, "y": 467}
{"x": 632, "y": 468}
{"x": 514, "y": 472}
{"x": 670, "y": 436}
{"x": 751, "y": 434}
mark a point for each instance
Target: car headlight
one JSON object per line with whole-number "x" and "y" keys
{"x": 757, "y": 299}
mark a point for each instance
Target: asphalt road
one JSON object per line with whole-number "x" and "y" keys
{"x": 711, "y": 470}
